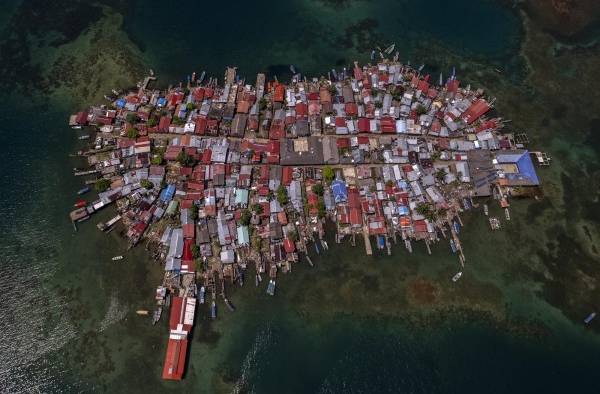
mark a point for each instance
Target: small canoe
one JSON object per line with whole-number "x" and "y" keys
{"x": 142, "y": 312}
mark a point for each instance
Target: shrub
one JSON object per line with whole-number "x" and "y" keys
{"x": 102, "y": 184}
{"x": 146, "y": 184}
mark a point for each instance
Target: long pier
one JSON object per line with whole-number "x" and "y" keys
{"x": 368, "y": 248}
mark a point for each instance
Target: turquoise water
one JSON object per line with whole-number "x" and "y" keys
{"x": 352, "y": 324}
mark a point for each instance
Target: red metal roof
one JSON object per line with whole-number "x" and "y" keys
{"x": 364, "y": 125}
{"x": 174, "y": 365}
{"x": 478, "y": 108}
{"x": 279, "y": 93}
{"x": 288, "y": 245}
{"x": 189, "y": 230}
{"x": 301, "y": 109}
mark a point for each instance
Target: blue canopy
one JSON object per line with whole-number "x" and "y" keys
{"x": 167, "y": 193}
{"x": 340, "y": 192}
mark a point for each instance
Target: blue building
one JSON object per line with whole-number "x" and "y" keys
{"x": 517, "y": 167}
{"x": 339, "y": 190}
{"x": 167, "y": 194}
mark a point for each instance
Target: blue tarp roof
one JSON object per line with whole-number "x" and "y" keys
{"x": 167, "y": 193}
{"x": 161, "y": 101}
{"x": 403, "y": 210}
{"x": 340, "y": 192}
{"x": 120, "y": 103}
{"x": 523, "y": 161}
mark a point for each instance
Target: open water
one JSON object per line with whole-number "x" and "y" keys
{"x": 351, "y": 324}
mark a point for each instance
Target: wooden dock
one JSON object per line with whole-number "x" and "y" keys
{"x": 368, "y": 248}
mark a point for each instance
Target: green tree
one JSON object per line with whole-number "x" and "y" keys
{"x": 318, "y": 189}
{"x": 440, "y": 174}
{"x": 184, "y": 159}
{"x": 256, "y": 243}
{"x": 321, "y": 208}
{"x": 293, "y": 235}
{"x": 258, "y": 209}
{"x": 245, "y": 217}
{"x": 189, "y": 106}
{"x": 332, "y": 89}
{"x": 282, "y": 195}
{"x": 195, "y": 251}
{"x": 102, "y": 184}
{"x": 328, "y": 174}
{"x": 146, "y": 184}
{"x": 378, "y": 104}
{"x": 421, "y": 110}
{"x": 132, "y": 133}
{"x": 262, "y": 104}
{"x": 193, "y": 212}
{"x": 131, "y": 117}
{"x": 152, "y": 122}
{"x": 427, "y": 211}
{"x": 157, "y": 159}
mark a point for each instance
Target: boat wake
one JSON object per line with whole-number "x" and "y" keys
{"x": 251, "y": 365}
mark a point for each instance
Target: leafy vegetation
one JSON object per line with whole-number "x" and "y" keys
{"x": 146, "y": 184}
{"x": 193, "y": 212}
{"x": 185, "y": 160}
{"x": 440, "y": 174}
{"x": 421, "y": 110}
{"x": 328, "y": 174}
{"x": 258, "y": 209}
{"x": 318, "y": 189}
{"x": 101, "y": 185}
{"x": 132, "y": 133}
{"x": 282, "y": 195}
{"x": 293, "y": 235}
{"x": 131, "y": 118}
{"x": 195, "y": 251}
{"x": 246, "y": 217}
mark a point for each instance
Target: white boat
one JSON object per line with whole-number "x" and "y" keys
{"x": 456, "y": 277}
{"x": 507, "y": 213}
{"x": 485, "y": 210}
{"x": 117, "y": 258}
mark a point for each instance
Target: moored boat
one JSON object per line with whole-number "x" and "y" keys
{"x": 201, "y": 294}
{"x": 213, "y": 310}
{"x": 80, "y": 204}
{"x": 457, "y": 276}
{"x": 456, "y": 226}
{"x": 453, "y": 246}
{"x": 507, "y": 213}
{"x": 271, "y": 287}
{"x": 156, "y": 315}
{"x": 486, "y": 210}
{"x": 142, "y": 312}
{"x": 83, "y": 190}
{"x": 117, "y": 258}
{"x": 229, "y": 305}
{"x": 590, "y": 317}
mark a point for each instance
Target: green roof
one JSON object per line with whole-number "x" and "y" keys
{"x": 242, "y": 235}
{"x": 241, "y": 196}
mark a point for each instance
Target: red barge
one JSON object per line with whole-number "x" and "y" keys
{"x": 181, "y": 322}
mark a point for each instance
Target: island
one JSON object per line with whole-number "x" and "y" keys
{"x": 221, "y": 181}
